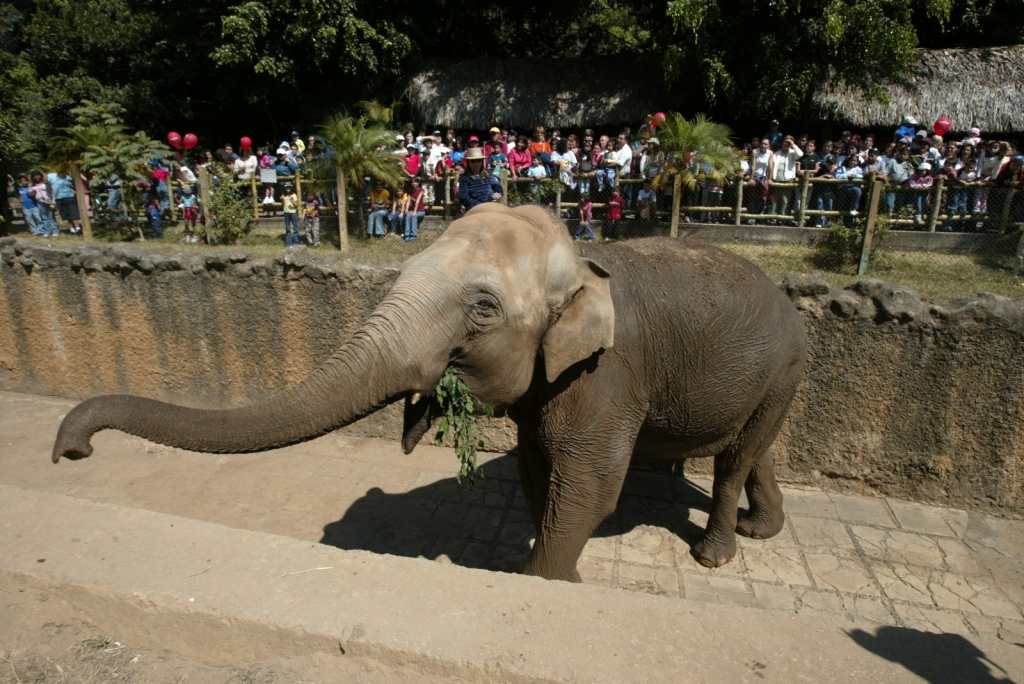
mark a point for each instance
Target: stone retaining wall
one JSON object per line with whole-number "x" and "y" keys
{"x": 902, "y": 397}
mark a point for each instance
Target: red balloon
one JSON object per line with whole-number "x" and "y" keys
{"x": 190, "y": 140}
{"x": 174, "y": 139}
{"x": 942, "y": 125}
{"x": 659, "y": 117}
{"x": 245, "y": 142}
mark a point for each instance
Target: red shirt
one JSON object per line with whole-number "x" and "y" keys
{"x": 615, "y": 207}
{"x": 518, "y": 161}
{"x": 412, "y": 164}
{"x": 416, "y": 201}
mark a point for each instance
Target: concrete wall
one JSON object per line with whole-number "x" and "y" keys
{"x": 901, "y": 397}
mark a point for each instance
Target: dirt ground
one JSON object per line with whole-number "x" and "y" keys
{"x": 43, "y": 639}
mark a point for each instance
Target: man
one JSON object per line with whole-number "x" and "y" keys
{"x": 784, "y": 166}
{"x": 476, "y": 185}
{"x": 494, "y": 143}
{"x": 811, "y": 161}
{"x": 63, "y": 188}
{"x": 774, "y": 135}
{"x": 899, "y": 172}
{"x": 245, "y": 165}
{"x": 616, "y": 164}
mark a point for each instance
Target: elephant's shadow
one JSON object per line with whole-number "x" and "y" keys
{"x": 487, "y": 525}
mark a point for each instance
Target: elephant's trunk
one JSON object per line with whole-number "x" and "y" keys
{"x": 401, "y": 348}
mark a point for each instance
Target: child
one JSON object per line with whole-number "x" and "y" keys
{"x": 497, "y": 161}
{"x": 29, "y": 206}
{"x": 189, "y": 213}
{"x": 646, "y": 201}
{"x": 40, "y": 192}
{"x": 153, "y": 213}
{"x": 290, "y": 209}
{"x": 921, "y": 182}
{"x": 268, "y": 193}
{"x": 586, "y": 218}
{"x": 311, "y": 220}
{"x": 399, "y": 205}
{"x": 611, "y": 232}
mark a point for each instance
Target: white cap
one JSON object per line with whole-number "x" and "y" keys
{"x": 975, "y": 132}
{"x": 924, "y": 166}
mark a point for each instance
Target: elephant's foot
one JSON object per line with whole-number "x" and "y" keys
{"x": 761, "y": 525}
{"x": 712, "y": 554}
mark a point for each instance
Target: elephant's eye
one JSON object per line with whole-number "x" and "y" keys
{"x": 484, "y": 307}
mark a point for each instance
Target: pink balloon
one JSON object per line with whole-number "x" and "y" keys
{"x": 942, "y": 125}
{"x": 174, "y": 139}
{"x": 659, "y": 118}
{"x": 245, "y": 143}
{"x": 190, "y": 140}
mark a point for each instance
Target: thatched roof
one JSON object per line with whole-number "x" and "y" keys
{"x": 479, "y": 93}
{"x": 980, "y": 86}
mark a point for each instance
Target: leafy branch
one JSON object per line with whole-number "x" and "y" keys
{"x": 457, "y": 426}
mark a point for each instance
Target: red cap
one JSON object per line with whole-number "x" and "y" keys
{"x": 473, "y": 138}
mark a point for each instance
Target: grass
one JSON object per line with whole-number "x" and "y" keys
{"x": 939, "y": 277}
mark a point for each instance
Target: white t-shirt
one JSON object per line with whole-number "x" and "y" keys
{"x": 761, "y": 161}
{"x": 785, "y": 164}
{"x": 244, "y": 168}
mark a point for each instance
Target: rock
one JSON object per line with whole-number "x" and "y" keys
{"x": 145, "y": 265}
{"x": 847, "y": 304}
{"x": 237, "y": 257}
{"x": 168, "y": 264}
{"x": 805, "y": 285}
{"x": 7, "y": 241}
{"x": 867, "y": 287}
{"x": 899, "y": 303}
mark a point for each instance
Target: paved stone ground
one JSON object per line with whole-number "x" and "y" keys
{"x": 856, "y": 557}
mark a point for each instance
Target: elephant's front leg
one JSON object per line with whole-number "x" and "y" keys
{"x": 583, "y": 489}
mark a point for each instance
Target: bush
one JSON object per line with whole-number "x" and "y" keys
{"x": 841, "y": 249}
{"x": 229, "y": 216}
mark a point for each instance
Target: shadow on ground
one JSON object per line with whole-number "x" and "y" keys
{"x": 936, "y": 658}
{"x": 486, "y": 524}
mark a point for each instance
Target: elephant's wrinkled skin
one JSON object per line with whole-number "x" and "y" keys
{"x": 651, "y": 349}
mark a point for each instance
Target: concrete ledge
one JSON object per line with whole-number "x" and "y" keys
{"x": 220, "y": 594}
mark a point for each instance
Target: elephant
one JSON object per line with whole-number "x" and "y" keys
{"x": 653, "y": 349}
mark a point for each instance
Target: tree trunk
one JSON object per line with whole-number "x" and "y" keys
{"x": 342, "y": 211}
{"x": 83, "y": 204}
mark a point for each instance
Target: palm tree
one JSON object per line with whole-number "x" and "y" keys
{"x": 358, "y": 148}
{"x": 695, "y": 150}
{"x": 96, "y": 124}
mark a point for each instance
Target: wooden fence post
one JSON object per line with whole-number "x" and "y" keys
{"x": 870, "y": 225}
{"x": 204, "y": 198}
{"x": 298, "y": 193}
{"x": 558, "y": 200}
{"x": 677, "y": 198}
{"x": 339, "y": 182}
{"x": 252, "y": 183}
{"x": 801, "y": 214}
{"x": 1004, "y": 215}
{"x": 933, "y": 215}
{"x": 83, "y": 205}
{"x": 739, "y": 201}
{"x": 447, "y": 195}
{"x": 504, "y": 187}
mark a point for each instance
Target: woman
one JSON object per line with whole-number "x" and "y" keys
{"x": 415, "y": 210}
{"x": 519, "y": 158}
{"x": 566, "y": 160}
{"x": 476, "y": 185}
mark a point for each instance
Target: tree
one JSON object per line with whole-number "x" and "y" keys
{"x": 356, "y": 149}
{"x": 695, "y": 149}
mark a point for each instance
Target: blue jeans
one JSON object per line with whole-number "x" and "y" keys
{"x": 47, "y": 223}
{"x": 606, "y": 175}
{"x": 584, "y": 229}
{"x": 291, "y": 229}
{"x": 412, "y": 220}
{"x": 113, "y": 198}
{"x": 395, "y": 218}
{"x": 156, "y": 227}
{"x": 33, "y": 220}
{"x": 375, "y": 223}
{"x": 825, "y": 201}
{"x": 921, "y": 202}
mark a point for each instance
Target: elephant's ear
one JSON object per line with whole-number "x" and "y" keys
{"x": 586, "y": 324}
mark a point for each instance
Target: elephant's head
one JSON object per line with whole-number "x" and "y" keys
{"x": 501, "y": 291}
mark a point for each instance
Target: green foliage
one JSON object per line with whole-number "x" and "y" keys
{"x": 125, "y": 156}
{"x": 229, "y": 215}
{"x": 278, "y": 38}
{"x": 457, "y": 426}
{"x": 841, "y": 249}
{"x": 361, "y": 148}
{"x": 697, "y": 148}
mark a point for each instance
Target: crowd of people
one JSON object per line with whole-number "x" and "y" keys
{"x": 909, "y": 164}
{"x": 622, "y": 172}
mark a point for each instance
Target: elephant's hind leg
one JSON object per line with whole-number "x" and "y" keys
{"x": 745, "y": 461}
